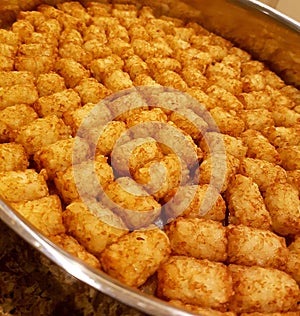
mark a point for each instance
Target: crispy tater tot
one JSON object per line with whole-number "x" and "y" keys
{"x": 99, "y": 9}
{"x": 91, "y": 91}
{"x": 7, "y": 50}
{"x": 13, "y": 157}
{"x": 94, "y": 32}
{"x": 257, "y": 119}
{"x": 199, "y": 238}
{"x": 71, "y": 36}
{"x": 102, "y": 67}
{"x": 246, "y": 205}
{"x": 60, "y": 155}
{"x": 191, "y": 57}
{"x": 252, "y": 246}
{"x": 171, "y": 79}
{"x": 22, "y": 29}
{"x": 14, "y": 117}
{"x": 107, "y": 227}
{"x": 212, "y": 143}
{"x": 193, "y": 201}
{"x": 132, "y": 203}
{"x": 263, "y": 290}
{"x": 293, "y": 177}
{"x": 6, "y": 63}
{"x": 120, "y": 48}
{"x": 188, "y": 121}
{"x": 161, "y": 176}
{"x": 282, "y": 201}
{"x": 290, "y": 157}
{"x": 256, "y": 100}
{"x": 283, "y": 136}
{"x": 44, "y": 213}
{"x": 72, "y": 183}
{"x": 11, "y": 78}
{"x": 136, "y": 256}
{"x": 50, "y": 83}
{"x": 144, "y": 80}
{"x": 75, "y": 9}
{"x": 20, "y": 186}
{"x": 194, "y": 77}
{"x": 253, "y": 140}
{"x": 109, "y": 137}
{"x": 292, "y": 93}
{"x": 9, "y": 37}
{"x": 135, "y": 66}
{"x": 42, "y": 132}
{"x": 71, "y": 71}
{"x": 197, "y": 310}
{"x": 199, "y": 282}
{"x": 57, "y": 103}
{"x": 73, "y": 247}
{"x": 129, "y": 156}
{"x": 263, "y": 173}
{"x": 161, "y": 64}
{"x": 77, "y": 52}
{"x": 87, "y": 117}
{"x": 279, "y": 99}
{"x": 227, "y": 122}
{"x": 251, "y": 67}
{"x": 293, "y": 265}
{"x": 118, "y": 80}
{"x": 218, "y": 169}
{"x": 284, "y": 116}
{"x": 37, "y": 65}
{"x": 17, "y": 94}
{"x": 253, "y": 82}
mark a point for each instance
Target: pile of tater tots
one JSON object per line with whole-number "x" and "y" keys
{"x": 238, "y": 257}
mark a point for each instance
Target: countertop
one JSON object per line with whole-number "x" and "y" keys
{"x": 31, "y": 285}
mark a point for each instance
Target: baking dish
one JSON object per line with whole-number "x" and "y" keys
{"x": 268, "y": 35}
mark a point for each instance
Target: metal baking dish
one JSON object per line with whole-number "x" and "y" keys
{"x": 262, "y": 31}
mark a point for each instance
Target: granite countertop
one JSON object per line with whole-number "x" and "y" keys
{"x": 30, "y": 284}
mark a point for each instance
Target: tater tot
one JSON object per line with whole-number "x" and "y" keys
{"x": 290, "y": 157}
{"x": 158, "y": 65}
{"x": 20, "y": 186}
{"x": 282, "y": 201}
{"x": 50, "y": 83}
{"x": 135, "y": 66}
{"x": 131, "y": 202}
{"x": 118, "y": 80}
{"x": 107, "y": 227}
{"x": 109, "y": 137}
{"x": 197, "y": 310}
{"x": 42, "y": 132}
{"x": 71, "y": 71}
{"x": 218, "y": 169}
{"x": 75, "y": 9}
{"x": 191, "y": 57}
{"x": 263, "y": 173}
{"x": 44, "y": 213}
{"x": 283, "y": 136}
{"x": 120, "y": 48}
{"x": 252, "y": 246}
{"x": 253, "y": 82}
{"x": 102, "y": 67}
{"x": 192, "y": 281}
{"x": 72, "y": 246}
{"x": 271, "y": 314}
{"x": 293, "y": 177}
{"x": 6, "y": 63}
{"x": 246, "y": 205}
{"x": 17, "y": 94}
{"x": 292, "y": 93}
{"x": 198, "y": 238}
{"x": 144, "y": 80}
{"x": 257, "y": 119}
{"x": 136, "y": 256}
{"x": 293, "y": 265}
{"x": 256, "y": 100}
{"x": 87, "y": 117}
{"x": 253, "y": 140}
{"x": 284, "y": 116}
{"x": 57, "y": 103}
{"x": 227, "y": 122}
{"x": 188, "y": 121}
{"x": 13, "y": 157}
{"x": 72, "y": 183}
{"x": 162, "y": 176}
{"x": 193, "y": 201}
{"x": 251, "y": 67}
{"x": 22, "y": 29}
{"x": 263, "y": 290}
{"x": 11, "y": 78}
{"x": 217, "y": 143}
{"x": 79, "y": 53}
{"x": 8, "y": 37}
{"x": 16, "y": 116}
{"x": 91, "y": 91}
{"x": 279, "y": 99}
{"x": 128, "y": 157}
{"x": 194, "y": 77}
{"x": 171, "y": 79}
{"x": 61, "y": 154}
{"x": 37, "y": 65}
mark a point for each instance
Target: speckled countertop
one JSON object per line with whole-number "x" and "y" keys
{"x": 32, "y": 285}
